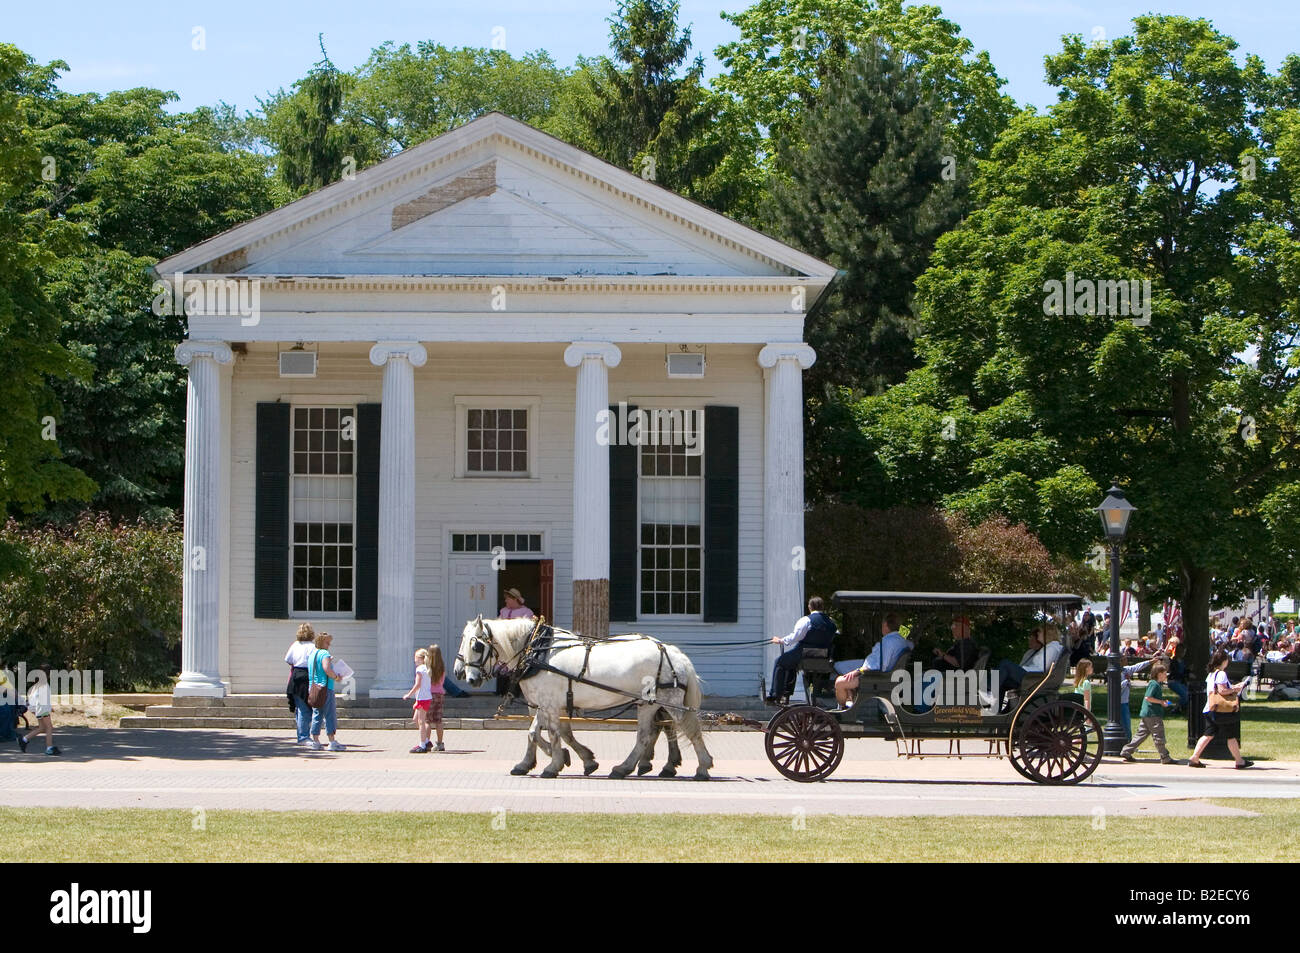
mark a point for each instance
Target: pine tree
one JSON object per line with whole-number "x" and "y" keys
{"x": 315, "y": 142}
{"x": 871, "y": 193}
{"x": 640, "y": 114}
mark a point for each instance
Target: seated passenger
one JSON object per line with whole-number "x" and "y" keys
{"x": 1044, "y": 649}
{"x": 883, "y": 658}
{"x": 961, "y": 657}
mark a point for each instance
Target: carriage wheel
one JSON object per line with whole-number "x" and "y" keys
{"x": 1059, "y": 742}
{"x": 804, "y": 743}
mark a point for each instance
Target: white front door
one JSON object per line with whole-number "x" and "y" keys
{"x": 473, "y": 591}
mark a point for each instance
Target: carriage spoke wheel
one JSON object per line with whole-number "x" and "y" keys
{"x": 1059, "y": 742}
{"x": 804, "y": 743}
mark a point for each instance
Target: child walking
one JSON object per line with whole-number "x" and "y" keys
{"x": 1082, "y": 681}
{"x": 422, "y": 689}
{"x": 39, "y": 704}
{"x": 1153, "y": 716}
{"x": 437, "y": 673}
{"x": 429, "y": 693}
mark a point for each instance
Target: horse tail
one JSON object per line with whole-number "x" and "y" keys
{"x": 694, "y": 690}
{"x": 694, "y": 684}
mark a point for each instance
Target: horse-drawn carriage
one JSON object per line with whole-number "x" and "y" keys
{"x": 1048, "y": 738}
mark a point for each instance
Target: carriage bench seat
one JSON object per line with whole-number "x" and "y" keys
{"x": 816, "y": 662}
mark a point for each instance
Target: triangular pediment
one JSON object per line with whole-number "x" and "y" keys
{"x": 495, "y": 197}
{"x": 494, "y": 226}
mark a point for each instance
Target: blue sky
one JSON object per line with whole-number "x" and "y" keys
{"x": 254, "y": 46}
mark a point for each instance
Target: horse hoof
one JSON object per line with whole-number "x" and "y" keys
{"x": 643, "y": 769}
{"x": 668, "y": 772}
{"x": 548, "y": 773}
{"x": 701, "y": 775}
{"x": 518, "y": 770}
{"x": 618, "y": 774}
{"x": 590, "y": 768}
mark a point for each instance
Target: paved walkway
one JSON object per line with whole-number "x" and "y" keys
{"x": 224, "y": 769}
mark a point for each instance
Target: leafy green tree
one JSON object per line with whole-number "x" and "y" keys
{"x": 126, "y": 183}
{"x": 409, "y": 95}
{"x": 1046, "y": 391}
{"x": 644, "y": 116}
{"x": 789, "y": 49}
{"x": 31, "y": 471}
{"x": 871, "y": 192}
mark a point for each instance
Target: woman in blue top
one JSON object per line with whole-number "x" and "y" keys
{"x": 321, "y": 671}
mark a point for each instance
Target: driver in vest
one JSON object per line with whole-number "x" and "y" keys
{"x": 816, "y": 630}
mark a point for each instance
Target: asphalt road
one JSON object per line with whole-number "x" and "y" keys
{"x": 225, "y": 769}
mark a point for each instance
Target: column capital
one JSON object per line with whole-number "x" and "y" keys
{"x": 787, "y": 351}
{"x": 384, "y": 351}
{"x": 579, "y": 351}
{"x": 219, "y": 351}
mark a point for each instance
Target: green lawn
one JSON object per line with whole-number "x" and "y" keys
{"x": 155, "y": 835}
{"x": 1270, "y": 731}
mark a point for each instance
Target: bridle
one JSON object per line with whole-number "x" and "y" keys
{"x": 483, "y": 650}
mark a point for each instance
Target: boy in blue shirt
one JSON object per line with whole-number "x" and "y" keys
{"x": 1152, "y": 714}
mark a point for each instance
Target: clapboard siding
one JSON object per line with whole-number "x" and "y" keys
{"x": 256, "y": 647}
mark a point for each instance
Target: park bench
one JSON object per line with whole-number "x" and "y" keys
{"x": 1279, "y": 672}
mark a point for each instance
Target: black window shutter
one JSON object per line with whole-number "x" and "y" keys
{"x": 623, "y": 525}
{"x": 721, "y": 513}
{"x": 369, "y": 419}
{"x": 271, "y": 519}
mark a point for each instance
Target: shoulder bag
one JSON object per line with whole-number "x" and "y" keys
{"x": 316, "y": 692}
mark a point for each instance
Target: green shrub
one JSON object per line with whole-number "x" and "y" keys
{"x": 95, "y": 595}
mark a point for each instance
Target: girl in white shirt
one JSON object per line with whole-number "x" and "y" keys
{"x": 423, "y": 691}
{"x": 38, "y": 704}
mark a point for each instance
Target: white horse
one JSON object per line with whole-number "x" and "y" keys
{"x": 636, "y": 667}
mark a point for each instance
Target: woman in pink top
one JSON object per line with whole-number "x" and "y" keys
{"x": 515, "y": 608}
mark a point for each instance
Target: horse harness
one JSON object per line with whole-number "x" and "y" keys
{"x": 540, "y": 648}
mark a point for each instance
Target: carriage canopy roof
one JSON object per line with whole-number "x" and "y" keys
{"x": 955, "y": 600}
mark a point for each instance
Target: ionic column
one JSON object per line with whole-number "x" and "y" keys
{"x": 205, "y": 519}
{"x": 591, "y": 486}
{"x": 396, "y": 606}
{"x": 783, "y": 600}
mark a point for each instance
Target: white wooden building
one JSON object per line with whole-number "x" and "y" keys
{"x": 420, "y": 381}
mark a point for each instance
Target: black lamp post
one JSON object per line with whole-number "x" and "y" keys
{"x": 1115, "y": 511}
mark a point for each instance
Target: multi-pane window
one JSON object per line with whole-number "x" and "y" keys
{"x": 324, "y": 441}
{"x": 486, "y": 542}
{"x": 496, "y": 440}
{"x": 671, "y": 501}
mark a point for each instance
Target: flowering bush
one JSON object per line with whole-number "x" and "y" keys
{"x": 94, "y": 595}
